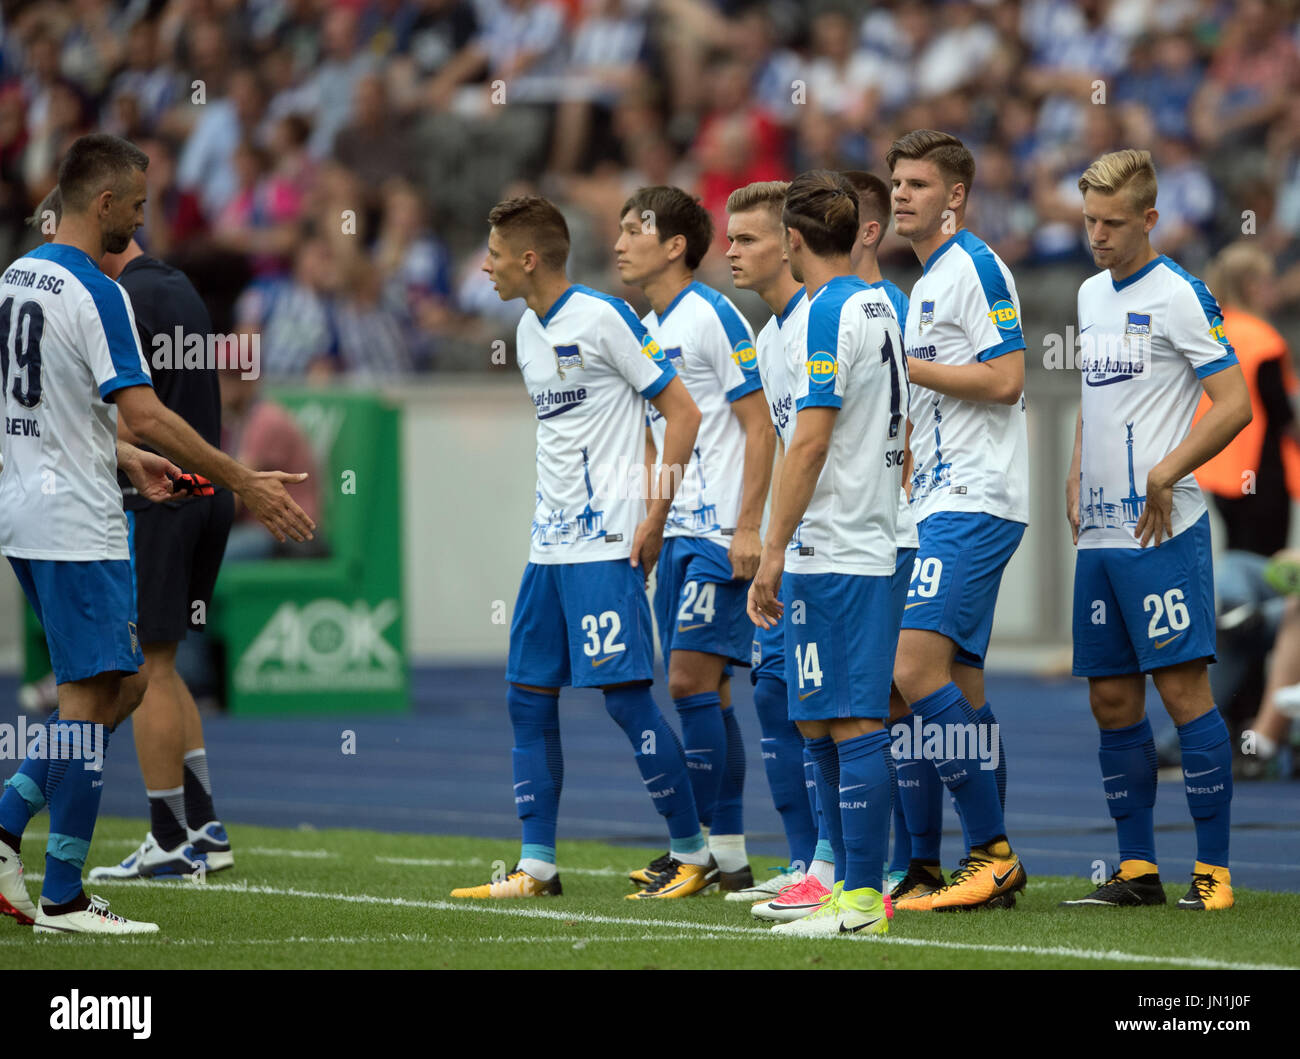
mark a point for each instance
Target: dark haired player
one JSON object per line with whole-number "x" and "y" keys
{"x": 582, "y": 617}
{"x": 711, "y": 545}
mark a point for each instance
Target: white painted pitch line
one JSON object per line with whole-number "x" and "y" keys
{"x": 256, "y": 851}
{"x": 698, "y": 929}
{"x": 469, "y": 862}
{"x": 270, "y": 851}
{"x": 579, "y": 941}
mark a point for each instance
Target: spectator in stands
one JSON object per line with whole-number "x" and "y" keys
{"x": 148, "y": 77}
{"x": 1279, "y": 707}
{"x": 331, "y": 90}
{"x": 605, "y": 60}
{"x": 1255, "y": 478}
{"x": 261, "y": 221}
{"x": 207, "y": 161}
{"x": 295, "y": 317}
{"x": 172, "y": 217}
{"x": 415, "y": 270}
{"x": 375, "y": 143}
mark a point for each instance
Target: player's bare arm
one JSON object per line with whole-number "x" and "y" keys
{"x": 800, "y": 470}
{"x": 1072, "y": 480}
{"x": 262, "y": 491}
{"x": 150, "y": 473}
{"x": 1229, "y": 414}
{"x": 760, "y": 442}
{"x": 681, "y": 424}
{"x": 997, "y": 381}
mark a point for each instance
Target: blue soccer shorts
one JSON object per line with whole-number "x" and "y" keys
{"x": 88, "y": 612}
{"x": 582, "y": 625}
{"x": 955, "y": 578}
{"x": 698, "y": 605}
{"x": 767, "y": 652}
{"x": 1139, "y": 609}
{"x": 840, "y": 640}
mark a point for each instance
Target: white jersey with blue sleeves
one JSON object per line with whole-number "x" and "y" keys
{"x": 67, "y": 343}
{"x": 967, "y": 455}
{"x": 1145, "y": 344}
{"x": 710, "y": 344}
{"x": 907, "y": 534}
{"x": 774, "y": 364}
{"x": 851, "y": 360}
{"x": 589, "y": 367}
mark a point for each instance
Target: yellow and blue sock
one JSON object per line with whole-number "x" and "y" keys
{"x": 783, "y": 761}
{"x": 827, "y": 770}
{"x": 538, "y": 762}
{"x": 1128, "y": 772}
{"x": 1207, "y": 780}
{"x": 661, "y": 762}
{"x": 73, "y": 789}
{"x": 974, "y": 788}
{"x": 729, "y": 810}
{"x": 704, "y": 741}
{"x": 866, "y": 804}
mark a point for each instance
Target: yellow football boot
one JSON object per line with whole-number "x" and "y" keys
{"x": 1211, "y": 889}
{"x": 989, "y": 878}
{"x": 680, "y": 880}
{"x": 517, "y": 884}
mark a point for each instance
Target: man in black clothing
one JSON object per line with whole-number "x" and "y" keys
{"x": 177, "y": 547}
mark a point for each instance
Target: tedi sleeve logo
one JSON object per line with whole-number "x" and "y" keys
{"x": 77, "y": 1012}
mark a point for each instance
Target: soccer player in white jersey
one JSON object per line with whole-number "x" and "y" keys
{"x": 1151, "y": 340}
{"x": 711, "y": 541}
{"x": 873, "y": 219}
{"x": 71, "y": 362}
{"x": 839, "y": 489}
{"x": 758, "y": 262}
{"x": 970, "y": 497}
{"x": 582, "y": 617}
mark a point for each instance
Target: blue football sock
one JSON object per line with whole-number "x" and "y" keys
{"x": 920, "y": 795}
{"x": 1128, "y": 777}
{"x": 704, "y": 741}
{"x": 902, "y": 837}
{"x": 24, "y": 794}
{"x": 73, "y": 788}
{"x": 1207, "y": 779}
{"x": 729, "y": 809}
{"x": 783, "y": 760}
{"x": 827, "y": 762}
{"x": 659, "y": 757}
{"x": 974, "y": 787}
{"x": 984, "y": 715}
{"x": 866, "y": 804}
{"x": 538, "y": 768}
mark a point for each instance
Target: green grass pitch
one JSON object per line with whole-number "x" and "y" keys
{"x": 358, "y": 899}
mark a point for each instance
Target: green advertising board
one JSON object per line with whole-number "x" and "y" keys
{"x": 326, "y": 635}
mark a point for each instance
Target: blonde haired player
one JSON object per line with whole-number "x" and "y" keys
{"x": 1151, "y": 338}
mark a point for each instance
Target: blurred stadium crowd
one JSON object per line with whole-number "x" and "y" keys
{"x": 323, "y": 168}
